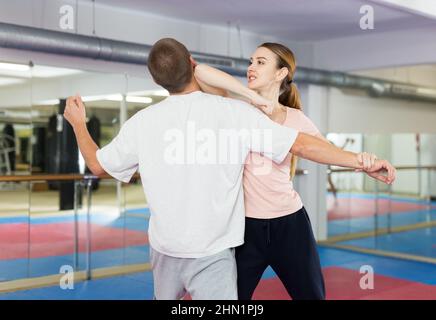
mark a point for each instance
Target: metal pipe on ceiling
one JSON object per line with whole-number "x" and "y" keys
{"x": 71, "y": 44}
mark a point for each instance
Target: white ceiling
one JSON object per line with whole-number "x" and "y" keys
{"x": 294, "y": 20}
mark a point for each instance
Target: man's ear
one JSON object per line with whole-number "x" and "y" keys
{"x": 282, "y": 73}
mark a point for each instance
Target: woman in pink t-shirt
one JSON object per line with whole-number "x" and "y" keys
{"x": 278, "y": 232}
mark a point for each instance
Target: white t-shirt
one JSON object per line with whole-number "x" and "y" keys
{"x": 190, "y": 150}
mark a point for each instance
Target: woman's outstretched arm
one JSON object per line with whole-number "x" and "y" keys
{"x": 220, "y": 82}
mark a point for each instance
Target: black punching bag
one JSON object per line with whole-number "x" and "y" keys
{"x": 68, "y": 155}
{"x": 39, "y": 148}
{"x": 51, "y": 162}
{"x": 9, "y": 131}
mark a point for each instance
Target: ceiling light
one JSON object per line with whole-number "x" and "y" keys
{"x": 136, "y": 99}
{"x": 101, "y": 97}
{"x": 23, "y": 71}
{"x": 162, "y": 93}
{"x": 118, "y": 97}
{"x": 13, "y": 67}
{"x": 114, "y": 97}
{"x": 51, "y": 72}
{"x": 51, "y": 102}
{"x": 9, "y": 81}
{"x": 22, "y": 115}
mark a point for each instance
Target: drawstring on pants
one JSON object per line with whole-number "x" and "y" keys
{"x": 268, "y": 231}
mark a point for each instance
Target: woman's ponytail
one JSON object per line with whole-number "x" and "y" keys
{"x": 290, "y": 96}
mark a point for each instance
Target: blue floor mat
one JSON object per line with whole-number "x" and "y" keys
{"x": 337, "y": 227}
{"x": 421, "y": 242}
{"x": 18, "y": 268}
{"x": 137, "y": 286}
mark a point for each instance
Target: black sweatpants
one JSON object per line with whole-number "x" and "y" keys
{"x": 287, "y": 245}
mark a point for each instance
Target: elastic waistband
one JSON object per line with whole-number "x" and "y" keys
{"x": 278, "y": 218}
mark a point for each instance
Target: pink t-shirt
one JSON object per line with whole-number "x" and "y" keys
{"x": 268, "y": 191}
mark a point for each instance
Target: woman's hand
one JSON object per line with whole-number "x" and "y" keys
{"x": 265, "y": 105}
{"x": 367, "y": 160}
{"x": 382, "y": 171}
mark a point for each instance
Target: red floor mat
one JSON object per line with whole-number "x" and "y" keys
{"x": 343, "y": 284}
{"x": 56, "y": 239}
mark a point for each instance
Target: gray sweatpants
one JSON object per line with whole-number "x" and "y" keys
{"x": 208, "y": 278}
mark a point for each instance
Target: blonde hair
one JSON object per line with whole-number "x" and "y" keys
{"x": 289, "y": 95}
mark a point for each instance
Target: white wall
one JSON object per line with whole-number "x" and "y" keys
{"x": 422, "y": 75}
{"x": 376, "y": 50}
{"x": 312, "y": 187}
{"x": 353, "y": 113}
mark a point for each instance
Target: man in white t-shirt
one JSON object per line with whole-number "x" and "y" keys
{"x": 190, "y": 151}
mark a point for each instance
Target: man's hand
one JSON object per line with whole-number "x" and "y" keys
{"x": 75, "y": 112}
{"x": 382, "y": 171}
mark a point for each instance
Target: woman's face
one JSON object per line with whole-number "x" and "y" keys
{"x": 262, "y": 71}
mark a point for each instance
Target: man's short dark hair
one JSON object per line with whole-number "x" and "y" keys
{"x": 169, "y": 64}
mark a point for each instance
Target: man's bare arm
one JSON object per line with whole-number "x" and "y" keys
{"x": 76, "y": 115}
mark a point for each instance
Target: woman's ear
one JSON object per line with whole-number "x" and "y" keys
{"x": 193, "y": 62}
{"x": 282, "y": 73}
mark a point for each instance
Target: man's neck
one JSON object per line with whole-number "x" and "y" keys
{"x": 192, "y": 87}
